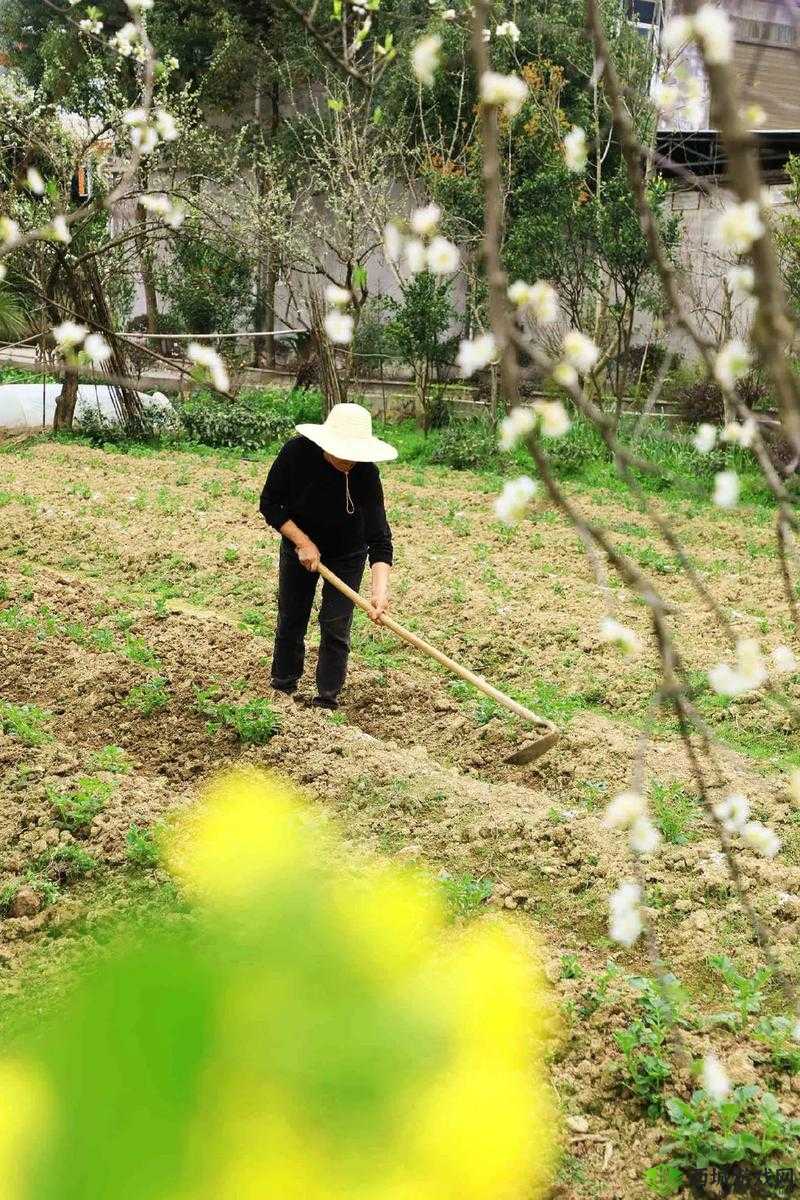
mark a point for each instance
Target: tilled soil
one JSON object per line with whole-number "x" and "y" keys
{"x": 120, "y": 571}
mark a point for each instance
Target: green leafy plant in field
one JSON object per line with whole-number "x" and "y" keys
{"x": 111, "y": 758}
{"x": 747, "y": 992}
{"x": 465, "y": 894}
{"x": 571, "y": 967}
{"x": 645, "y": 1042}
{"x": 149, "y": 697}
{"x": 24, "y": 722}
{"x": 46, "y": 889}
{"x": 596, "y": 993}
{"x": 745, "y": 1133}
{"x": 141, "y": 847}
{"x": 777, "y": 1034}
{"x": 138, "y": 651}
{"x": 65, "y": 863}
{"x": 76, "y": 809}
{"x": 255, "y": 722}
{"x": 675, "y": 812}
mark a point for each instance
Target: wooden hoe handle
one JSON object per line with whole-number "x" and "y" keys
{"x": 464, "y": 673}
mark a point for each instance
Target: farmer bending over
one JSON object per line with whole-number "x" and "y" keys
{"x": 323, "y": 494}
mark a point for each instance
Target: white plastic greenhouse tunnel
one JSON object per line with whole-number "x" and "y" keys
{"x": 31, "y": 406}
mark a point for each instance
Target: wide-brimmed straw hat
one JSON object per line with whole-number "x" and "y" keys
{"x": 347, "y": 434}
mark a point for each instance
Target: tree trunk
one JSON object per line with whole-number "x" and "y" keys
{"x": 65, "y": 404}
{"x": 267, "y": 275}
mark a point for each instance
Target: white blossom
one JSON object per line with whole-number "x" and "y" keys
{"x": 69, "y": 334}
{"x": 714, "y": 32}
{"x": 750, "y": 660}
{"x": 442, "y": 257}
{"x": 794, "y": 785}
{"x": 739, "y": 225}
{"x": 761, "y": 839}
{"x": 514, "y": 499}
{"x": 726, "y": 489}
{"x": 705, "y": 439}
{"x": 576, "y": 151}
{"x": 392, "y": 242}
{"x": 518, "y": 424}
{"x": 624, "y": 809}
{"x": 127, "y": 41}
{"x": 9, "y": 231}
{"x": 486, "y": 35}
{"x": 749, "y": 673}
{"x": 731, "y": 363}
{"x": 544, "y": 302}
{"x": 580, "y": 351}
{"x": 540, "y": 297}
{"x": 416, "y": 256}
{"x": 733, "y": 812}
{"x": 508, "y": 92}
{"x": 91, "y": 25}
{"x": 139, "y": 5}
{"x": 625, "y": 918}
{"x": 424, "y": 220}
{"x": 519, "y": 293}
{"x": 425, "y": 58}
{"x": 753, "y": 116}
{"x": 339, "y": 327}
{"x": 449, "y": 14}
{"x": 35, "y": 181}
{"x": 136, "y": 116}
{"x": 508, "y": 29}
{"x": 617, "y": 634}
{"x": 740, "y": 434}
{"x": 59, "y": 229}
{"x": 741, "y": 281}
{"x": 784, "y": 660}
{"x": 565, "y": 374}
{"x": 643, "y": 837}
{"x": 337, "y": 296}
{"x": 96, "y": 348}
{"x": 553, "y": 417}
{"x": 476, "y": 354}
{"x": 159, "y": 203}
{"x": 715, "y": 1078}
{"x": 165, "y": 124}
{"x": 207, "y": 357}
{"x": 144, "y": 139}
{"x": 677, "y": 31}
{"x": 665, "y": 97}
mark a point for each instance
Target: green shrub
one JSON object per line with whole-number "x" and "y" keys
{"x": 154, "y": 425}
{"x": 466, "y": 446}
{"x": 255, "y": 419}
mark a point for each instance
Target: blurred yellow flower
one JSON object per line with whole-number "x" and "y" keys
{"x": 323, "y": 1035}
{"x": 25, "y": 1110}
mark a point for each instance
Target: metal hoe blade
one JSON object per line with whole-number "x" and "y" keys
{"x": 529, "y": 754}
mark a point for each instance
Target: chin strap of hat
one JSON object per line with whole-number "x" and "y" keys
{"x": 348, "y": 499}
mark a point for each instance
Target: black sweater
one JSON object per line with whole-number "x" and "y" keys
{"x": 303, "y": 487}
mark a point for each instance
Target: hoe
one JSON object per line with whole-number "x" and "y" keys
{"x": 549, "y": 733}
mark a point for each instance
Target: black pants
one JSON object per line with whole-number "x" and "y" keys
{"x": 296, "y": 588}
